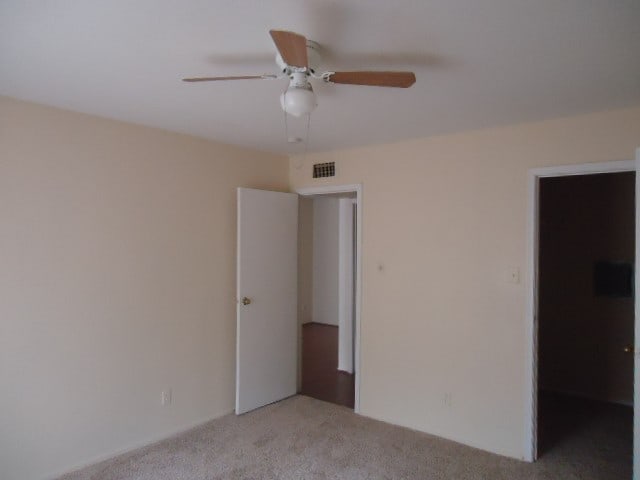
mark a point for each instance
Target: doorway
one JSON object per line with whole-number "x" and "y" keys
{"x": 328, "y": 294}
{"x": 582, "y": 306}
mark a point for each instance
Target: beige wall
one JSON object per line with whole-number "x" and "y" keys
{"x": 117, "y": 280}
{"x": 585, "y": 219}
{"x": 117, "y": 249}
{"x": 444, "y": 218}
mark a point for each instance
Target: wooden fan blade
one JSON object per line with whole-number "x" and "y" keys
{"x": 292, "y": 47}
{"x": 241, "y": 77}
{"x": 376, "y": 79}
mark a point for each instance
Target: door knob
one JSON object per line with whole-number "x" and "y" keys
{"x": 629, "y": 349}
{"x": 246, "y": 300}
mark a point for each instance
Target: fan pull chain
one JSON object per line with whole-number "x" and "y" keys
{"x": 306, "y": 141}
{"x": 286, "y": 129}
{"x": 286, "y": 124}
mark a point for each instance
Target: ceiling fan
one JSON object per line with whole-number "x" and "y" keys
{"x": 298, "y": 60}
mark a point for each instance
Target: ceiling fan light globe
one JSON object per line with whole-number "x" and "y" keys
{"x": 298, "y": 101}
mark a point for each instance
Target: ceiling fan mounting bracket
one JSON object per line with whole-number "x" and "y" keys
{"x": 326, "y": 76}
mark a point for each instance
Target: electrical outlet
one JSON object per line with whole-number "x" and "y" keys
{"x": 165, "y": 397}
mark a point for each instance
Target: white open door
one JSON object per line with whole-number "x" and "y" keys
{"x": 636, "y": 374}
{"x": 267, "y": 333}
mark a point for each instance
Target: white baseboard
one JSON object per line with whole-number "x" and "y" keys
{"x": 136, "y": 445}
{"x": 462, "y": 441}
{"x": 321, "y": 323}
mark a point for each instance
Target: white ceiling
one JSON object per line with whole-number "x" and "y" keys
{"x": 478, "y": 63}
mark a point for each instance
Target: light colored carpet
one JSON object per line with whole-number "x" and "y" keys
{"x": 303, "y": 438}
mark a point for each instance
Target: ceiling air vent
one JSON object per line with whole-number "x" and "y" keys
{"x": 321, "y": 170}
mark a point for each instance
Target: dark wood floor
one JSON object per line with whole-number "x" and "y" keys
{"x": 320, "y": 376}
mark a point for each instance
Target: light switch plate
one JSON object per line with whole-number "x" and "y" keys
{"x": 165, "y": 397}
{"x": 513, "y": 275}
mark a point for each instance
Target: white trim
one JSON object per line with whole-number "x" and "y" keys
{"x": 238, "y": 305}
{"x": 531, "y": 367}
{"x": 324, "y": 190}
{"x": 357, "y": 188}
{"x": 531, "y": 303}
{"x": 345, "y": 285}
{"x": 138, "y": 445}
{"x": 636, "y": 363}
{"x": 585, "y": 169}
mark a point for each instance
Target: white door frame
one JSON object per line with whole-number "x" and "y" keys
{"x": 531, "y": 368}
{"x": 357, "y": 189}
{"x": 346, "y": 283}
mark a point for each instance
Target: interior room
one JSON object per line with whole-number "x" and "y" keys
{"x": 159, "y": 164}
{"x": 326, "y": 297}
{"x": 586, "y": 312}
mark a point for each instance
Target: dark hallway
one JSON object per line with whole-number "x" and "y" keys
{"x": 586, "y": 317}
